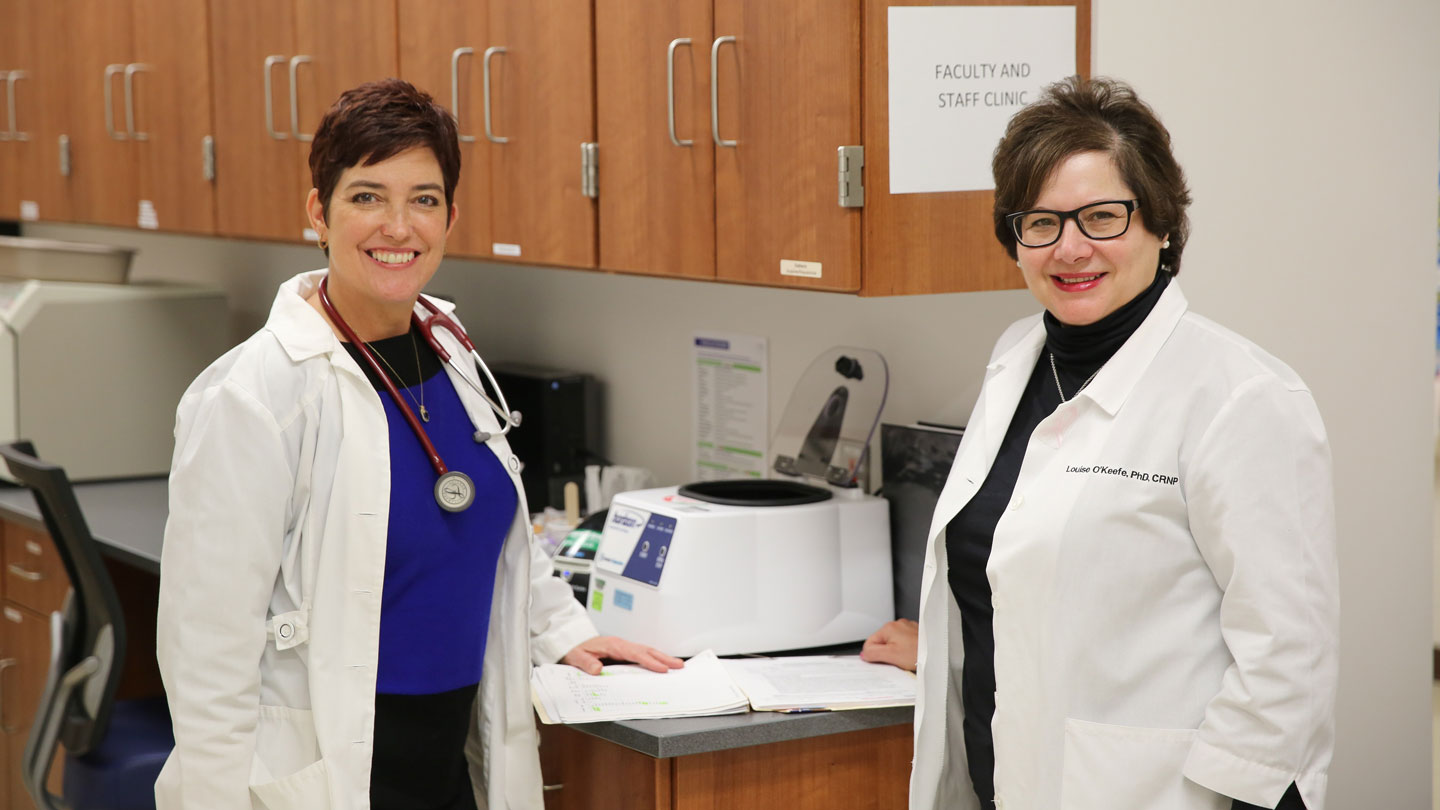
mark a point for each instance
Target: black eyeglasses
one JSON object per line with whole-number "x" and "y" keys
{"x": 1101, "y": 220}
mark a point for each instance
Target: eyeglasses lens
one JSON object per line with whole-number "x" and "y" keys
{"x": 1099, "y": 221}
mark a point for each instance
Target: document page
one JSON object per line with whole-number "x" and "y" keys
{"x": 564, "y": 694}
{"x": 817, "y": 682}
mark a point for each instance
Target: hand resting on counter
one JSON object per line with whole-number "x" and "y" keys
{"x": 587, "y": 654}
{"x": 895, "y": 643}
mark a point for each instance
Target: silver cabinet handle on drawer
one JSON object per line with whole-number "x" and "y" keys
{"x": 4, "y": 665}
{"x": 270, "y": 63}
{"x": 670, "y": 89}
{"x": 130, "y": 71}
{"x": 295, "y": 63}
{"x": 485, "y": 78}
{"x": 111, "y": 71}
{"x": 10, "y": 79}
{"x": 24, "y": 573}
{"x": 715, "y": 91}
{"x": 553, "y": 788}
{"x": 455, "y": 88}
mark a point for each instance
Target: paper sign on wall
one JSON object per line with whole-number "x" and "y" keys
{"x": 731, "y": 398}
{"x": 957, "y": 75}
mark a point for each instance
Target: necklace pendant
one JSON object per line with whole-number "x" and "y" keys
{"x": 424, "y": 415}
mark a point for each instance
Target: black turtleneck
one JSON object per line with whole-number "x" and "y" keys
{"x": 1079, "y": 353}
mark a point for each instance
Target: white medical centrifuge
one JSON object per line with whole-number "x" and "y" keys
{"x": 794, "y": 561}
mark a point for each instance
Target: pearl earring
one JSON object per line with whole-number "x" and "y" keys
{"x": 1165, "y": 244}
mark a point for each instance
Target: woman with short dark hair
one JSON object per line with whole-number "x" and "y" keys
{"x": 350, "y": 598}
{"x": 1130, "y": 596}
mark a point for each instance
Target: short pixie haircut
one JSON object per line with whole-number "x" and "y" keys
{"x": 375, "y": 122}
{"x": 1093, "y": 115}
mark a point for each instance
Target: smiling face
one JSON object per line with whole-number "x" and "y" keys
{"x": 1081, "y": 280}
{"x": 386, "y": 227}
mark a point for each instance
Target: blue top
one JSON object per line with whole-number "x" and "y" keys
{"x": 440, "y": 566}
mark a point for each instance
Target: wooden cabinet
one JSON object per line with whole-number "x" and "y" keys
{"x": 139, "y": 115}
{"x": 748, "y": 184}
{"x": 277, "y": 66}
{"x": 862, "y": 770}
{"x": 40, "y": 188}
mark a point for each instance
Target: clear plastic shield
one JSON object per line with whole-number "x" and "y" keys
{"x": 827, "y": 426}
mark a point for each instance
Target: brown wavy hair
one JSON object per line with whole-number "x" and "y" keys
{"x": 1093, "y": 115}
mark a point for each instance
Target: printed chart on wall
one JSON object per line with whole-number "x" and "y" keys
{"x": 731, "y": 399}
{"x": 957, "y": 75}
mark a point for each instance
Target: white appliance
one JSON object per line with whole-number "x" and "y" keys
{"x": 753, "y": 566}
{"x": 91, "y": 372}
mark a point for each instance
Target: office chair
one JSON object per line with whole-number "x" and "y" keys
{"x": 114, "y": 750}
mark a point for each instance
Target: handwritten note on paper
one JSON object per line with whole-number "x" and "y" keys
{"x": 564, "y": 694}
{"x": 957, "y": 75}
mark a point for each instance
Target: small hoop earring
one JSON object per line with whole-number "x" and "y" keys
{"x": 322, "y": 242}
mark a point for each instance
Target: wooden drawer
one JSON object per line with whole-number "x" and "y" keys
{"x": 34, "y": 577}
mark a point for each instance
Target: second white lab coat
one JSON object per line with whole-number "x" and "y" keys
{"x": 271, "y": 579}
{"x": 1164, "y": 584}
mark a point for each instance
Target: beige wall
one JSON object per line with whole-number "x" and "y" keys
{"x": 1310, "y": 134}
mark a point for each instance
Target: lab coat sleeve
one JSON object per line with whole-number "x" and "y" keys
{"x": 1261, "y": 508}
{"x": 557, "y": 621}
{"x": 229, "y": 490}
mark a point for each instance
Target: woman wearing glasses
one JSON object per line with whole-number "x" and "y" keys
{"x": 1130, "y": 594}
{"x": 350, "y": 599}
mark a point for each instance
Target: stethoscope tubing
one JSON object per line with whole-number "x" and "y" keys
{"x": 427, "y": 327}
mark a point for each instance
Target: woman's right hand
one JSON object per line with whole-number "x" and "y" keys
{"x": 896, "y": 643}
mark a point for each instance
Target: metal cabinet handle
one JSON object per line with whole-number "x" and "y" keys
{"x": 670, "y": 89}
{"x": 552, "y": 788}
{"x": 111, "y": 71}
{"x": 130, "y": 71}
{"x": 295, "y": 63}
{"x": 485, "y": 77}
{"x": 270, "y": 63}
{"x": 715, "y": 91}
{"x": 4, "y": 665}
{"x": 14, "y": 133}
{"x": 455, "y": 88}
{"x": 25, "y": 573}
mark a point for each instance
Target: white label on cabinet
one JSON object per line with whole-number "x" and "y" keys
{"x": 147, "y": 217}
{"x": 310, "y": 235}
{"x": 29, "y": 210}
{"x": 504, "y": 249}
{"x": 14, "y": 615}
{"x": 789, "y": 267}
{"x": 34, "y": 548}
{"x": 957, "y": 74}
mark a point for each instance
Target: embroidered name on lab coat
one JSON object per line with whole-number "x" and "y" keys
{"x": 1137, "y": 475}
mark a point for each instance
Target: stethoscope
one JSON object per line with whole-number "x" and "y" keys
{"x": 454, "y": 490}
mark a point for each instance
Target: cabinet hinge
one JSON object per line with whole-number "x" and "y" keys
{"x": 852, "y": 183}
{"x": 590, "y": 170}
{"x": 207, "y": 158}
{"x": 64, "y": 155}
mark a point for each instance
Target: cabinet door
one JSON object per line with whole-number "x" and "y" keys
{"x": 104, "y": 178}
{"x": 349, "y": 42}
{"x": 789, "y": 97}
{"x": 431, "y": 33}
{"x": 258, "y": 189}
{"x": 24, "y": 664}
{"x": 940, "y": 242}
{"x": 542, "y": 100}
{"x": 657, "y": 198}
{"x": 9, "y": 61}
{"x": 172, "y": 109}
{"x": 41, "y": 110}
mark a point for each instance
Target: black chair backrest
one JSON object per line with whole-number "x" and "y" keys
{"x": 94, "y": 616}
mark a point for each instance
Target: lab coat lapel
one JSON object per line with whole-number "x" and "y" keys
{"x": 1005, "y": 380}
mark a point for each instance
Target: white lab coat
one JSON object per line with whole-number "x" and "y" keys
{"x": 271, "y": 576}
{"x": 1164, "y": 584}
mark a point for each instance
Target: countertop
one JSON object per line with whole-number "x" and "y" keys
{"x": 127, "y": 518}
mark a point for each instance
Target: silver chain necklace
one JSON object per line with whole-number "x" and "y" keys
{"x": 419, "y": 375}
{"x": 1056, "y": 374}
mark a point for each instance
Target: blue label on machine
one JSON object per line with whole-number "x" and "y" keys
{"x": 624, "y": 600}
{"x": 647, "y": 561}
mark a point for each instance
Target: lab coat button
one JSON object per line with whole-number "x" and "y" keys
{"x": 285, "y": 631}
{"x": 1016, "y": 501}
{"x": 514, "y": 464}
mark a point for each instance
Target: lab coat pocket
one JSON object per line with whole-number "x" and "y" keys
{"x": 288, "y": 771}
{"x": 1108, "y": 766}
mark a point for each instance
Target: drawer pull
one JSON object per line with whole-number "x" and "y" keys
{"x": 4, "y": 665}
{"x": 554, "y": 787}
{"x": 25, "y": 573}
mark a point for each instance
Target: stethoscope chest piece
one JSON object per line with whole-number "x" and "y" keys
{"x": 454, "y": 491}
